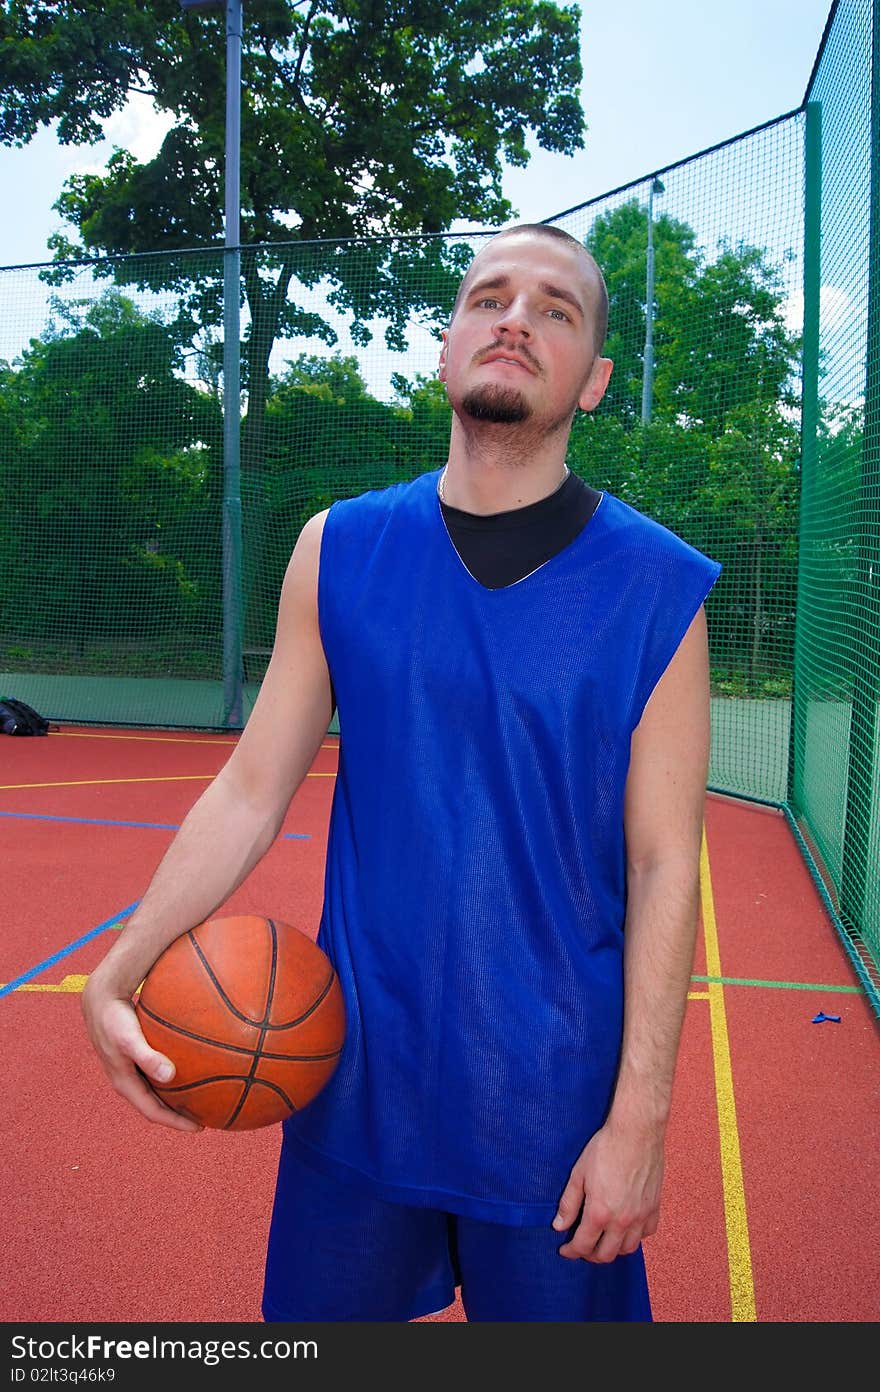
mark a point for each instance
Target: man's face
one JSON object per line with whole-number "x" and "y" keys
{"x": 520, "y": 345}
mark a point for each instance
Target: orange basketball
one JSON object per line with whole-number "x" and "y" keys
{"x": 250, "y": 1011}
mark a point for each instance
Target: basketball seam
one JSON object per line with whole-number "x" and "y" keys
{"x": 235, "y": 1048}
{"x": 247, "y": 1019}
{"x": 270, "y": 992}
{"x": 248, "y": 1086}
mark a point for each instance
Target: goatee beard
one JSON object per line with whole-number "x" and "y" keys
{"x": 497, "y": 405}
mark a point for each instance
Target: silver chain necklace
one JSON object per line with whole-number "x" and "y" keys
{"x": 442, "y": 495}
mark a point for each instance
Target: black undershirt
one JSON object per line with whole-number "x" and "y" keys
{"x": 500, "y": 548}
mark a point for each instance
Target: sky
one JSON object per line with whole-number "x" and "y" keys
{"x": 661, "y": 81}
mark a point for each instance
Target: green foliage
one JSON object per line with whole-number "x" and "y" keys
{"x": 718, "y": 462}
{"x": 720, "y": 339}
{"x": 619, "y": 242}
{"x": 359, "y": 118}
{"x": 327, "y": 437}
{"x": 111, "y": 459}
{"x": 108, "y": 460}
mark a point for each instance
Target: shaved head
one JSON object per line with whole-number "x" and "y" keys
{"x": 598, "y": 294}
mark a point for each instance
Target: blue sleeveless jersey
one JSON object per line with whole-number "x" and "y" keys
{"x": 475, "y": 885}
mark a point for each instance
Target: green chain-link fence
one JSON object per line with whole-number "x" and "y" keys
{"x": 834, "y": 789}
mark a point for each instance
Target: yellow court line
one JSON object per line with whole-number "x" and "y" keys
{"x": 100, "y": 782}
{"x": 739, "y": 1257}
{"x": 68, "y": 984}
{"x": 150, "y": 739}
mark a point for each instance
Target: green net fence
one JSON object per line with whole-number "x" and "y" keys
{"x": 712, "y": 448}
{"x": 834, "y": 794}
{"x": 112, "y": 444}
{"x": 742, "y": 413}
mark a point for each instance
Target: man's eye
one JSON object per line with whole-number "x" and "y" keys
{"x": 489, "y": 304}
{"x": 558, "y": 314}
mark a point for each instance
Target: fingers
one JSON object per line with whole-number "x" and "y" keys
{"x": 599, "y": 1239}
{"x": 131, "y": 1064}
{"x": 573, "y": 1205}
{"x": 569, "y": 1205}
{"x": 136, "y": 1090}
{"x": 587, "y": 1247}
{"x": 156, "y": 1067}
{"x": 139, "y": 1065}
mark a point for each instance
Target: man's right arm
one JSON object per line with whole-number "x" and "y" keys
{"x": 226, "y": 832}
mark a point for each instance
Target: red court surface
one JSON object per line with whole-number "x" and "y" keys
{"x": 770, "y": 1211}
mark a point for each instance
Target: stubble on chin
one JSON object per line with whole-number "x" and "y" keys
{"x": 496, "y": 405}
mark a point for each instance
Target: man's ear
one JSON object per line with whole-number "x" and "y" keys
{"x": 594, "y": 388}
{"x": 442, "y": 369}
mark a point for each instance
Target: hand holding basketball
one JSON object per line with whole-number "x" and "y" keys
{"x": 250, "y": 1011}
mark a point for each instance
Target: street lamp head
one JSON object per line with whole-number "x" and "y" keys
{"x": 656, "y": 187}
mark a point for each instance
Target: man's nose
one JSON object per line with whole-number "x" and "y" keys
{"x": 513, "y": 319}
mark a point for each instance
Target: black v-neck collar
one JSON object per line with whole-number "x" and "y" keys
{"x": 501, "y": 548}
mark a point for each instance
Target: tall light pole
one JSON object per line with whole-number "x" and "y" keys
{"x": 232, "y": 594}
{"x": 648, "y": 371}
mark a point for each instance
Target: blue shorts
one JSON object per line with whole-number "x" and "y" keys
{"x": 335, "y": 1253}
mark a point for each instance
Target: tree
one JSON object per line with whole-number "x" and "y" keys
{"x": 751, "y": 493}
{"x": 326, "y": 437}
{"x": 718, "y": 461}
{"x": 619, "y": 241}
{"x": 106, "y": 488}
{"x": 359, "y": 118}
{"x": 720, "y": 337}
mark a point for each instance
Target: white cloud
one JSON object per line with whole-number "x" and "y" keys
{"x": 139, "y": 127}
{"x": 835, "y": 308}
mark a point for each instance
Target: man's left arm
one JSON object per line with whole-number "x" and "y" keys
{"x": 616, "y": 1182}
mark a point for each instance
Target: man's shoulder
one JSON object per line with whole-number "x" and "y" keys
{"x": 640, "y": 532}
{"x": 374, "y": 505}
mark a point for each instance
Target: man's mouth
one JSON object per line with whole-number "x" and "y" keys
{"x": 511, "y": 359}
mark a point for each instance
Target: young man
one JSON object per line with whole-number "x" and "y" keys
{"x": 520, "y": 668}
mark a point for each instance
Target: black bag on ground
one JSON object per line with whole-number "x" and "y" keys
{"x": 18, "y": 718}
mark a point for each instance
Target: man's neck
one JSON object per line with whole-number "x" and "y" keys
{"x": 495, "y": 468}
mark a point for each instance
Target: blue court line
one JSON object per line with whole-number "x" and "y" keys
{"x": 66, "y": 951}
{"x": 101, "y": 821}
{"x": 88, "y": 821}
